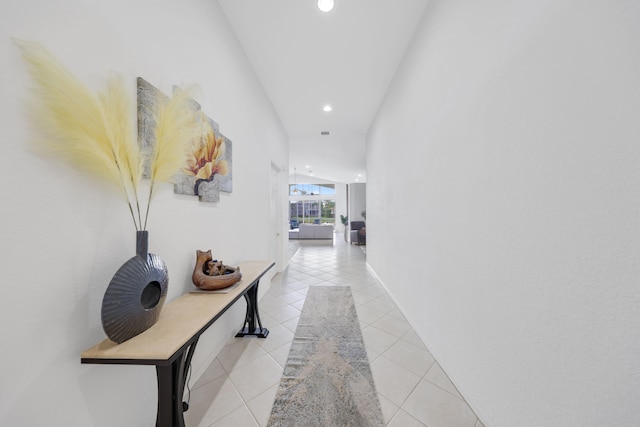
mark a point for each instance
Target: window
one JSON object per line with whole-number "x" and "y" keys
{"x": 312, "y": 211}
{"x": 312, "y": 190}
{"x": 312, "y": 204}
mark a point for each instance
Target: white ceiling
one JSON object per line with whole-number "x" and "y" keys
{"x": 306, "y": 58}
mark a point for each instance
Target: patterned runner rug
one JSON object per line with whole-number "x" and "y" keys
{"x": 327, "y": 380}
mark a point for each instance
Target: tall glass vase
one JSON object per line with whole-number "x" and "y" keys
{"x": 135, "y": 296}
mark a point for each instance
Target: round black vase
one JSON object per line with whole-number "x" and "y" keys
{"x": 134, "y": 298}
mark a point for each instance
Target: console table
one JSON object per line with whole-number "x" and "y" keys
{"x": 170, "y": 343}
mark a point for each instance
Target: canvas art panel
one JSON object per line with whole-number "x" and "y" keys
{"x": 207, "y": 170}
{"x": 148, "y": 98}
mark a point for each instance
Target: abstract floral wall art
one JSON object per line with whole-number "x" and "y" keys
{"x": 208, "y": 166}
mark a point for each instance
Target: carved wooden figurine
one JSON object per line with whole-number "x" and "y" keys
{"x": 210, "y": 274}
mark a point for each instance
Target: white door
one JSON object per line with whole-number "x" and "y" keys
{"x": 277, "y": 219}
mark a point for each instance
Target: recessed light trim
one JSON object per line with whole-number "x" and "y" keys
{"x": 325, "y": 132}
{"x": 325, "y": 5}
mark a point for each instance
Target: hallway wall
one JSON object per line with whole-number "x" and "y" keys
{"x": 357, "y": 201}
{"x": 505, "y": 220}
{"x": 64, "y": 236}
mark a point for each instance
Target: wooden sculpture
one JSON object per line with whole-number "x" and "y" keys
{"x": 210, "y": 274}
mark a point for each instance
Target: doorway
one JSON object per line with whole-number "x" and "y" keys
{"x": 277, "y": 219}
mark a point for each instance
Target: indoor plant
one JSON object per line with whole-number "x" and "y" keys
{"x": 345, "y": 221}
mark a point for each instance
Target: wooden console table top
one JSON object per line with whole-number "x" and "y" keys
{"x": 179, "y": 321}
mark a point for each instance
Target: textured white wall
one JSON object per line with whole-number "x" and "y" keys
{"x": 64, "y": 236}
{"x": 341, "y": 205}
{"x": 357, "y": 201}
{"x": 513, "y": 191}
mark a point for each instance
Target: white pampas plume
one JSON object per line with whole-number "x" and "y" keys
{"x": 173, "y": 135}
{"x": 92, "y": 131}
{"x": 95, "y": 132}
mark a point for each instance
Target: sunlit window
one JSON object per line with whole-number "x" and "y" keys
{"x": 312, "y": 189}
{"x": 312, "y": 212}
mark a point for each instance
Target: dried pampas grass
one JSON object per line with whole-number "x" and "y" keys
{"x": 95, "y": 132}
{"x": 173, "y": 135}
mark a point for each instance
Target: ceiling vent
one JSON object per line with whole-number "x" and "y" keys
{"x": 324, "y": 132}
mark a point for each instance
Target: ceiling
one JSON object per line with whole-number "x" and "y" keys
{"x": 306, "y": 59}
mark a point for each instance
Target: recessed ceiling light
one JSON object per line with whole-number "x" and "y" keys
{"x": 327, "y": 108}
{"x": 325, "y": 132}
{"x": 325, "y": 5}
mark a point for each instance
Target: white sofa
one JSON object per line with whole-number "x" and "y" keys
{"x": 315, "y": 232}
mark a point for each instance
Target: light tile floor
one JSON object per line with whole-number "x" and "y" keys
{"x": 239, "y": 387}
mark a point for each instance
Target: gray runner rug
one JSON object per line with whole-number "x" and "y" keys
{"x": 327, "y": 379}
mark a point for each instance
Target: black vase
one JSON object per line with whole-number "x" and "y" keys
{"x": 134, "y": 298}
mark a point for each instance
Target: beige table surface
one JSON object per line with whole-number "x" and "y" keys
{"x": 179, "y": 321}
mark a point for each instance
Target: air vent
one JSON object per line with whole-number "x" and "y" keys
{"x": 324, "y": 132}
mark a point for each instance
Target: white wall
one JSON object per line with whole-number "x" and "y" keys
{"x": 341, "y": 205}
{"x": 64, "y": 236}
{"x": 357, "y": 201}
{"x": 513, "y": 188}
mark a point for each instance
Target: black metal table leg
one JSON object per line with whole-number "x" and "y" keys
{"x": 171, "y": 382}
{"x": 169, "y": 414}
{"x": 251, "y": 296}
